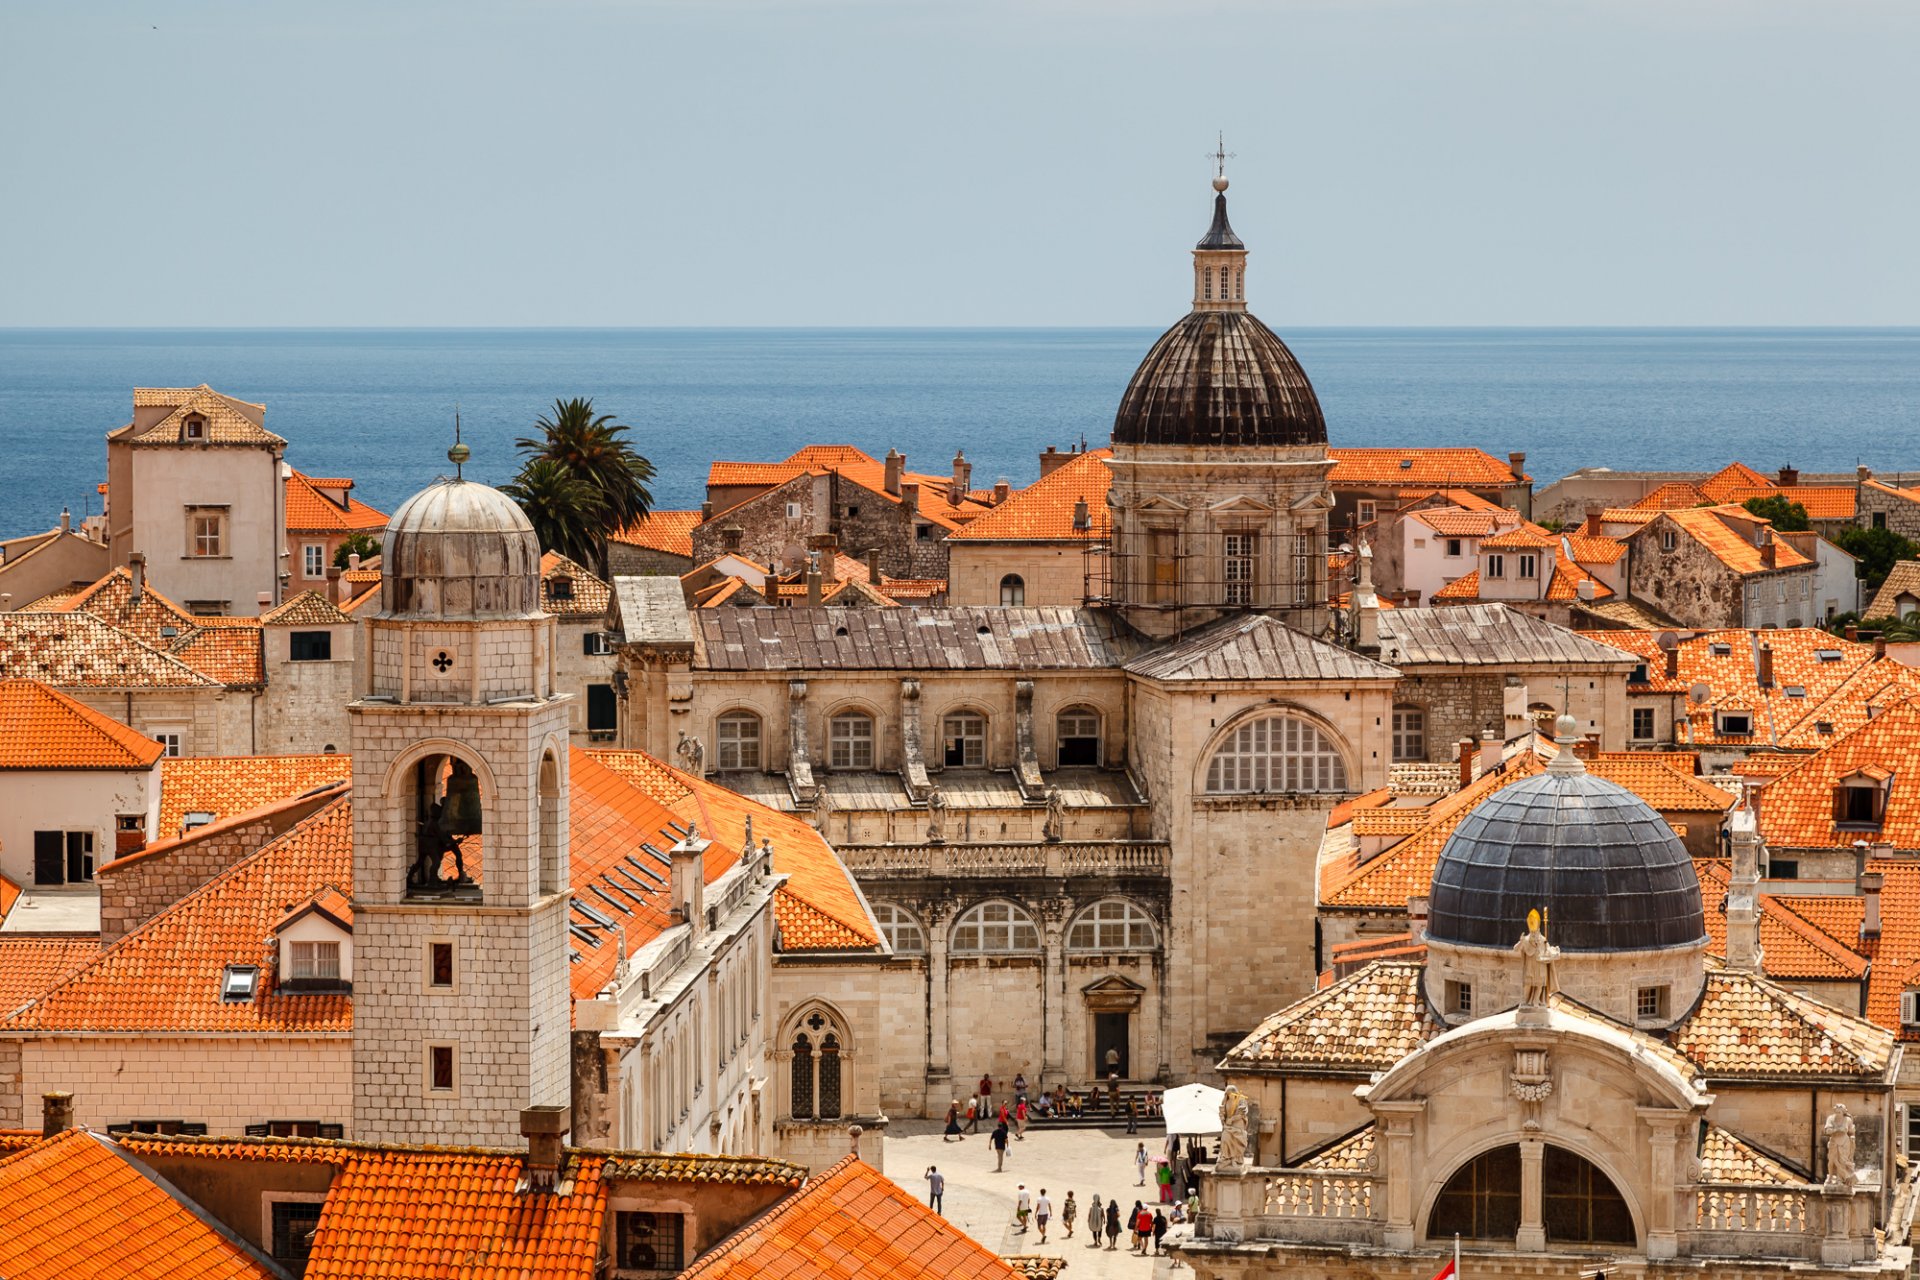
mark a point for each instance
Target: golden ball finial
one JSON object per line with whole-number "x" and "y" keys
{"x": 1220, "y": 183}
{"x": 459, "y": 454}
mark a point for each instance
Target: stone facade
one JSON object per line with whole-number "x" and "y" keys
{"x": 306, "y": 711}
{"x": 1049, "y": 572}
{"x": 1674, "y": 573}
{"x": 223, "y": 1082}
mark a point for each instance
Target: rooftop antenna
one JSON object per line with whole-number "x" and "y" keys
{"x": 459, "y": 454}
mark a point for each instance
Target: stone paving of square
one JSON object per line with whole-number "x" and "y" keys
{"x": 980, "y": 1201}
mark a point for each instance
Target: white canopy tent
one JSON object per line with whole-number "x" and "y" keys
{"x": 1191, "y": 1109}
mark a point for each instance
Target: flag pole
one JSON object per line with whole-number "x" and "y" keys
{"x": 1456, "y": 1255}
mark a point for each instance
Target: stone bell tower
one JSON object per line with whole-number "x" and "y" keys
{"x": 460, "y": 895}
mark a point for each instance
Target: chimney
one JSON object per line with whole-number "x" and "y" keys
{"x": 828, "y": 545}
{"x": 1517, "y": 461}
{"x": 1052, "y": 460}
{"x": 1789, "y": 477}
{"x": 1514, "y": 707}
{"x": 137, "y": 566}
{"x": 56, "y": 1114}
{"x": 1417, "y": 918}
{"x": 873, "y": 565}
{"x": 1082, "y": 518}
{"x": 962, "y": 476}
{"x": 895, "y": 465}
{"x": 1468, "y": 750}
{"x": 1671, "y": 648}
{"x": 1880, "y": 644}
{"x": 910, "y": 496}
{"x": 1001, "y": 491}
{"x": 706, "y": 511}
{"x": 1871, "y": 882}
{"x": 1492, "y": 751}
{"x": 1767, "y": 552}
{"x": 66, "y": 520}
{"x": 813, "y": 581}
{"x": 1852, "y": 632}
{"x": 1743, "y": 892}
{"x": 1766, "y": 666}
{"x": 545, "y": 1129}
{"x": 353, "y": 560}
{"x": 687, "y": 880}
{"x": 1594, "y": 512}
{"x": 730, "y": 537}
{"x": 1862, "y": 474}
{"x": 333, "y": 584}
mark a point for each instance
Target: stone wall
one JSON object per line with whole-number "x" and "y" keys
{"x": 1892, "y": 512}
{"x": 210, "y": 720}
{"x": 1469, "y": 704}
{"x": 1053, "y": 573}
{"x": 627, "y": 561}
{"x": 306, "y": 709}
{"x": 223, "y": 1082}
{"x": 768, "y": 533}
{"x": 575, "y": 670}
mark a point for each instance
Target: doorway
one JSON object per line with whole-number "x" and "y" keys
{"x": 1110, "y": 1045}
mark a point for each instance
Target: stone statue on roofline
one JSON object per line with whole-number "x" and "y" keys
{"x": 692, "y": 753}
{"x": 1054, "y": 827}
{"x": 1234, "y": 1128}
{"x": 1839, "y": 1129}
{"x": 936, "y": 815}
{"x": 1536, "y": 957}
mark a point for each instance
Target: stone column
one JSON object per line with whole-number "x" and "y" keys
{"x": 913, "y": 763}
{"x": 1533, "y": 1231}
{"x": 1663, "y": 1129}
{"x": 939, "y": 1081}
{"x": 1396, "y": 1169}
{"x": 1053, "y": 991}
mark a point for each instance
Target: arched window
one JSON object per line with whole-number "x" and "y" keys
{"x": 1481, "y": 1201}
{"x": 902, "y": 932}
{"x": 1239, "y": 283}
{"x": 963, "y": 740}
{"x": 1013, "y": 589}
{"x": 553, "y": 816}
{"x": 802, "y": 1077}
{"x": 737, "y": 734}
{"x": 1277, "y": 752}
{"x": 1579, "y": 1204}
{"x": 995, "y": 926}
{"x": 850, "y": 740}
{"x": 1409, "y": 733}
{"x": 1209, "y": 289}
{"x": 1077, "y": 737}
{"x": 830, "y": 1077}
{"x": 1112, "y": 925}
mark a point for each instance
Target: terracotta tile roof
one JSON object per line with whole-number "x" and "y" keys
{"x": 234, "y": 656}
{"x": 904, "y": 589}
{"x": 1344, "y": 812}
{"x": 1464, "y": 498}
{"x": 1715, "y": 528}
{"x": 1351, "y": 1154}
{"x": 1043, "y": 511}
{"x": 228, "y": 420}
{"x": 364, "y": 601}
{"x": 166, "y": 975}
{"x": 1797, "y": 808}
{"x": 1363, "y": 1023}
{"x": 1035, "y": 1266}
{"x": 668, "y": 531}
{"x": 1733, "y": 476}
{"x": 227, "y": 650}
{"x": 12, "y": 1140}
{"x": 1522, "y": 536}
{"x": 78, "y": 650}
{"x": 1658, "y": 783}
{"x": 326, "y": 506}
{"x": 1725, "y": 1158}
{"x": 9, "y": 894}
{"x": 590, "y": 593}
{"x": 1458, "y": 522}
{"x": 857, "y": 468}
{"x": 1567, "y": 577}
{"x": 308, "y": 609}
{"x": 1796, "y": 949}
{"x": 1387, "y": 822}
{"x": 225, "y": 786}
{"x": 1903, "y": 579}
{"x": 1419, "y": 468}
{"x": 1750, "y": 1028}
{"x": 1629, "y": 515}
{"x": 1822, "y": 502}
{"x": 1894, "y": 491}
{"x": 850, "y": 1222}
{"x": 31, "y": 963}
{"x": 1672, "y": 496}
{"x": 1466, "y": 587}
{"x": 1590, "y": 549}
{"x": 73, "y": 1206}
{"x": 42, "y": 728}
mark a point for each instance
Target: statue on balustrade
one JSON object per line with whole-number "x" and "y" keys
{"x": 936, "y": 815}
{"x": 1235, "y": 1119}
{"x": 1839, "y": 1129}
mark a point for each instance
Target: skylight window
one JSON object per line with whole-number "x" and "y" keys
{"x": 238, "y": 986}
{"x": 1827, "y": 655}
{"x": 1719, "y": 650}
{"x": 195, "y": 818}
{"x": 1796, "y": 691}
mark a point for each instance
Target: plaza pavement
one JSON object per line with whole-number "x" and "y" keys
{"x": 980, "y": 1201}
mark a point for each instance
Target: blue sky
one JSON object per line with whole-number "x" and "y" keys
{"x": 904, "y": 162}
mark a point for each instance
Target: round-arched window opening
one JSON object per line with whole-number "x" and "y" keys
{"x": 1578, "y": 1203}
{"x": 1013, "y": 590}
{"x": 1276, "y": 752}
{"x": 448, "y": 814}
{"x": 1481, "y": 1201}
{"x": 902, "y": 931}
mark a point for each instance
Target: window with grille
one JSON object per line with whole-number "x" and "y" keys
{"x": 1643, "y": 729}
{"x": 1365, "y": 510}
{"x": 995, "y": 926}
{"x": 737, "y": 735}
{"x": 293, "y": 1225}
{"x": 1207, "y": 274}
{"x": 1113, "y": 925}
{"x": 802, "y": 1078}
{"x": 901, "y": 930}
{"x": 1078, "y": 733}
{"x": 1240, "y": 560}
{"x": 1651, "y": 1002}
{"x": 850, "y": 741}
{"x": 1276, "y": 753}
{"x": 315, "y": 961}
{"x": 1013, "y": 590}
{"x": 963, "y": 740}
{"x": 1459, "y": 997}
{"x": 1409, "y": 733}
{"x": 649, "y": 1242}
{"x": 1482, "y": 1200}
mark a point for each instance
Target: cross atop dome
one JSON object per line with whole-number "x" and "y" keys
{"x": 1220, "y": 259}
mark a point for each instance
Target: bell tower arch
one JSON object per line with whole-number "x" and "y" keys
{"x": 461, "y": 1001}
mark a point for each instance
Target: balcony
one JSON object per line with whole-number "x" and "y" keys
{"x": 1061, "y": 858}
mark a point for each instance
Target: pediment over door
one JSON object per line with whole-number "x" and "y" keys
{"x": 1112, "y": 994}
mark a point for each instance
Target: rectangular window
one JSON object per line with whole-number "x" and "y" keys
{"x": 1163, "y": 553}
{"x": 1643, "y": 724}
{"x": 850, "y": 742}
{"x": 316, "y": 961}
{"x": 1453, "y": 548}
{"x": 293, "y": 1225}
{"x": 1496, "y": 566}
{"x": 170, "y": 739}
{"x": 1409, "y": 733}
{"x": 923, "y": 532}
{"x": 1669, "y": 540}
{"x": 440, "y": 964}
{"x": 793, "y": 511}
{"x": 205, "y": 533}
{"x": 1735, "y": 724}
{"x": 1240, "y": 560}
{"x": 310, "y": 646}
{"x": 1783, "y": 869}
{"x": 62, "y": 857}
{"x": 313, "y": 559}
{"x": 1651, "y": 1002}
{"x": 1913, "y": 1130}
{"x": 1879, "y": 519}
{"x": 441, "y": 1077}
{"x": 1910, "y": 1008}
{"x": 597, "y": 644}
{"x": 1459, "y": 997}
{"x": 1529, "y": 565}
{"x": 739, "y": 741}
{"x": 649, "y": 1242}
{"x": 963, "y": 742}
{"x": 603, "y": 712}
{"x": 1364, "y": 511}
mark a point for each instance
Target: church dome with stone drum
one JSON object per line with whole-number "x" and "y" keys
{"x": 460, "y": 550}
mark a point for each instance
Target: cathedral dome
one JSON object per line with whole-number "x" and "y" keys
{"x": 1605, "y": 868}
{"x": 460, "y": 550}
{"x": 1219, "y": 377}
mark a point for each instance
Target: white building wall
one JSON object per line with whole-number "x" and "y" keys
{"x": 245, "y": 480}
{"x": 65, "y": 800}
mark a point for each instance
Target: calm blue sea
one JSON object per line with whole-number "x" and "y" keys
{"x": 378, "y": 405}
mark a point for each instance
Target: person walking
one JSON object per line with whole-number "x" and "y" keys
{"x": 1163, "y": 1175}
{"x": 1042, "y": 1211}
{"x": 1140, "y": 1164}
{"x": 1113, "y": 1224}
{"x": 936, "y": 1188}
{"x": 973, "y": 1114}
{"x": 1068, "y": 1212}
{"x": 1022, "y": 1207}
{"x": 999, "y": 1142}
{"x": 1159, "y": 1230}
{"x": 953, "y": 1124}
{"x": 1096, "y": 1221}
{"x": 1020, "y": 1119}
{"x": 1142, "y": 1225}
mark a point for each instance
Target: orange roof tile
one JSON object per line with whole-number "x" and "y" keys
{"x": 1043, "y": 511}
{"x": 1797, "y": 808}
{"x": 1465, "y": 499}
{"x": 1714, "y": 528}
{"x": 1750, "y": 1028}
{"x": 1466, "y": 587}
{"x": 1822, "y": 502}
{"x": 311, "y": 509}
{"x": 234, "y": 656}
{"x": 1567, "y": 577}
{"x": 1795, "y": 947}
{"x": 308, "y": 609}
{"x": 589, "y": 594}
{"x": 78, "y": 650}
{"x": 73, "y": 1206}
{"x": 1735, "y": 475}
{"x": 850, "y": 1222}
{"x": 1419, "y": 468}
{"x": 1589, "y": 549}
{"x": 31, "y": 963}
{"x": 42, "y": 728}
{"x": 858, "y": 468}
{"x": 1523, "y": 535}
{"x": 227, "y": 650}
{"x": 668, "y": 531}
{"x": 832, "y": 455}
{"x": 1629, "y": 515}
{"x": 228, "y": 785}
{"x": 1902, "y": 579}
{"x": 228, "y": 420}
{"x": 1458, "y": 522}
{"x": 1674, "y": 495}
{"x": 1366, "y": 1022}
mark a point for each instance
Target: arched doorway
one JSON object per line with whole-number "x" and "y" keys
{"x": 1578, "y": 1203}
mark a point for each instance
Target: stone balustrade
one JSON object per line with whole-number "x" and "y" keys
{"x": 1063, "y": 858}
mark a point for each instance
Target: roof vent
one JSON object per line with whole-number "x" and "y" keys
{"x": 194, "y": 818}
{"x": 1406, "y": 464}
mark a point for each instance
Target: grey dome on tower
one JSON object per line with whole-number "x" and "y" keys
{"x": 460, "y": 550}
{"x": 1607, "y": 870}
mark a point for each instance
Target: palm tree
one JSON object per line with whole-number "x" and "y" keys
{"x": 567, "y": 515}
{"x": 592, "y": 451}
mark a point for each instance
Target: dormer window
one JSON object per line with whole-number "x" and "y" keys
{"x": 1910, "y": 1008}
{"x": 1860, "y": 798}
{"x": 314, "y": 961}
{"x": 1826, "y": 655}
{"x": 1639, "y": 675}
{"x": 1719, "y": 650}
{"x": 195, "y": 427}
{"x": 316, "y": 945}
{"x": 1734, "y": 724}
{"x": 561, "y": 588}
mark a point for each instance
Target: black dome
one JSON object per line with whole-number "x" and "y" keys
{"x": 1219, "y": 378}
{"x": 1610, "y": 873}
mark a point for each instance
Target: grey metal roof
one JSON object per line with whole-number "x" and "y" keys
{"x": 953, "y": 638}
{"x": 1255, "y": 648}
{"x": 1482, "y": 635}
{"x": 653, "y": 610}
{"x": 1220, "y": 234}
